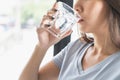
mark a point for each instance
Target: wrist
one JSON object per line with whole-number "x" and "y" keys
{"x": 41, "y": 47}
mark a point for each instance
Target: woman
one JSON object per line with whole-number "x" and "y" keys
{"x": 84, "y": 59}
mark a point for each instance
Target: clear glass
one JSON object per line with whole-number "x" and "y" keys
{"x": 65, "y": 18}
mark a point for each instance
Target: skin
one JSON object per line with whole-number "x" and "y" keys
{"x": 95, "y": 21}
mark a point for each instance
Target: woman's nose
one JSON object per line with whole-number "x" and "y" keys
{"x": 78, "y": 7}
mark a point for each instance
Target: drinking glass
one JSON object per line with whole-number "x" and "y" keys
{"x": 64, "y": 19}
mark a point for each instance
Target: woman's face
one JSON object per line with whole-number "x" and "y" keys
{"x": 94, "y": 14}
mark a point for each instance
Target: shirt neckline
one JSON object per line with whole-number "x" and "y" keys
{"x": 96, "y": 66}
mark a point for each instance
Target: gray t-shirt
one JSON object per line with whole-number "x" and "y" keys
{"x": 69, "y": 63}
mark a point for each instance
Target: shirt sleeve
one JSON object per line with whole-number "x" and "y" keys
{"x": 60, "y": 57}
{"x": 64, "y": 54}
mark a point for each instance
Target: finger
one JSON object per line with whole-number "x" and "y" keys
{"x": 54, "y": 8}
{"x": 51, "y": 17}
{"x": 39, "y": 30}
{"x": 52, "y": 14}
{"x": 46, "y": 19}
{"x": 43, "y": 22}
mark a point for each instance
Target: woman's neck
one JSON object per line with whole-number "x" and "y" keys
{"x": 103, "y": 45}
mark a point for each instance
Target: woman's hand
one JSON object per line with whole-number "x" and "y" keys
{"x": 46, "y": 39}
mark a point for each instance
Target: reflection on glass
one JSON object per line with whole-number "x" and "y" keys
{"x": 64, "y": 20}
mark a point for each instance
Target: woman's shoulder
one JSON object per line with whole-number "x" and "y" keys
{"x": 74, "y": 46}
{"x": 77, "y": 43}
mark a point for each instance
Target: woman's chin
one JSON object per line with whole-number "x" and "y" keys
{"x": 83, "y": 29}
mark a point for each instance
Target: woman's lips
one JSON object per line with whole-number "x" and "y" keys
{"x": 81, "y": 20}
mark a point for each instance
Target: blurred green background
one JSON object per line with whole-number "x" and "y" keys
{"x": 35, "y": 10}
{"x": 18, "y": 20}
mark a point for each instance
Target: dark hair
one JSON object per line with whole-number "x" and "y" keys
{"x": 114, "y": 23}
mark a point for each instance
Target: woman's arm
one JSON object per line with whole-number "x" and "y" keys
{"x": 32, "y": 72}
{"x": 50, "y": 71}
